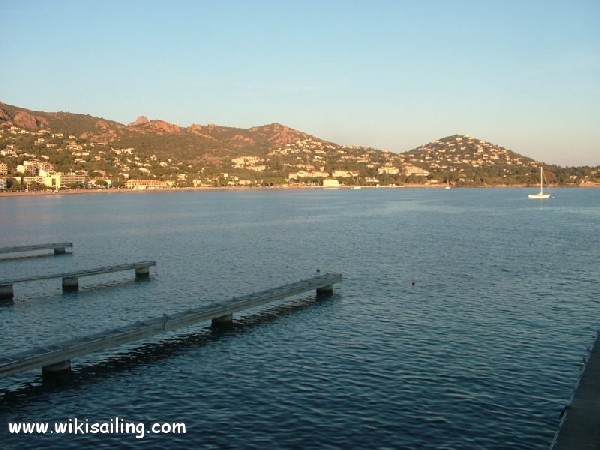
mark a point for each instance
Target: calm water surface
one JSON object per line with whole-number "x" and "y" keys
{"x": 461, "y": 322}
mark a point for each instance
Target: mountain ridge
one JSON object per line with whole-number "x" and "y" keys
{"x": 264, "y": 154}
{"x": 210, "y": 138}
{"x": 98, "y": 128}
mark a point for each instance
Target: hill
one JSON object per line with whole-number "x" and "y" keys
{"x": 194, "y": 143}
{"x": 467, "y": 159}
{"x": 211, "y": 155}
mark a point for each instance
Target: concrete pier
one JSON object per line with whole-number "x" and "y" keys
{"x": 60, "y": 248}
{"x": 6, "y": 292}
{"x": 70, "y": 280}
{"x": 225, "y": 321}
{"x": 325, "y": 291}
{"x": 142, "y": 273}
{"x": 57, "y": 373}
{"x": 580, "y": 426}
{"x": 70, "y": 284}
{"x": 219, "y": 314}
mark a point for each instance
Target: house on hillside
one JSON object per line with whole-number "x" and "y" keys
{"x": 146, "y": 184}
{"x": 409, "y": 169}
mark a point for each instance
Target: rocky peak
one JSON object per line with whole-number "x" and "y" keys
{"x": 278, "y": 134}
{"x": 141, "y": 120}
{"x": 195, "y": 128}
{"x": 166, "y": 127}
{"x": 29, "y": 122}
{"x": 4, "y": 115}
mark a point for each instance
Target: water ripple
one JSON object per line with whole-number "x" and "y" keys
{"x": 462, "y": 320}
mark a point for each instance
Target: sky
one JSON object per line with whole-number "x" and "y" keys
{"x": 388, "y": 74}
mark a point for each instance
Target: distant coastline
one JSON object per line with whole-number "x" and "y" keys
{"x": 264, "y": 188}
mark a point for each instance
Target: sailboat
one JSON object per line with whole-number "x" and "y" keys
{"x": 541, "y": 195}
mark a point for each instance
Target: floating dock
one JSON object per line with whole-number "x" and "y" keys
{"x": 57, "y": 358}
{"x": 60, "y": 248}
{"x": 70, "y": 280}
{"x": 580, "y": 425}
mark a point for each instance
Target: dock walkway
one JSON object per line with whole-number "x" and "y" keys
{"x": 59, "y": 248}
{"x": 580, "y": 426}
{"x": 70, "y": 280}
{"x": 220, "y": 314}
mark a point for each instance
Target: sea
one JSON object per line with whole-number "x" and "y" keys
{"x": 463, "y": 320}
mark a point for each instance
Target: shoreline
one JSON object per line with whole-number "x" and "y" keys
{"x": 279, "y": 188}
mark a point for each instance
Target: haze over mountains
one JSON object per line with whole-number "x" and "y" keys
{"x": 270, "y": 154}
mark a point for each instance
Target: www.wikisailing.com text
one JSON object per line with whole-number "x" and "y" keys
{"x": 115, "y": 425}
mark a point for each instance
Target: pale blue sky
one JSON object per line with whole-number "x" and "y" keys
{"x": 393, "y": 75}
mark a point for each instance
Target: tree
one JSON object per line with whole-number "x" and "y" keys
{"x": 14, "y": 185}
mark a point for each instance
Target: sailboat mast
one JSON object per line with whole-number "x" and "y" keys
{"x": 541, "y": 195}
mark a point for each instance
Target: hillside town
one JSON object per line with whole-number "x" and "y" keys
{"x": 47, "y": 160}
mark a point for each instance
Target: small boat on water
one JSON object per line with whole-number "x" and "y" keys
{"x": 541, "y": 194}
